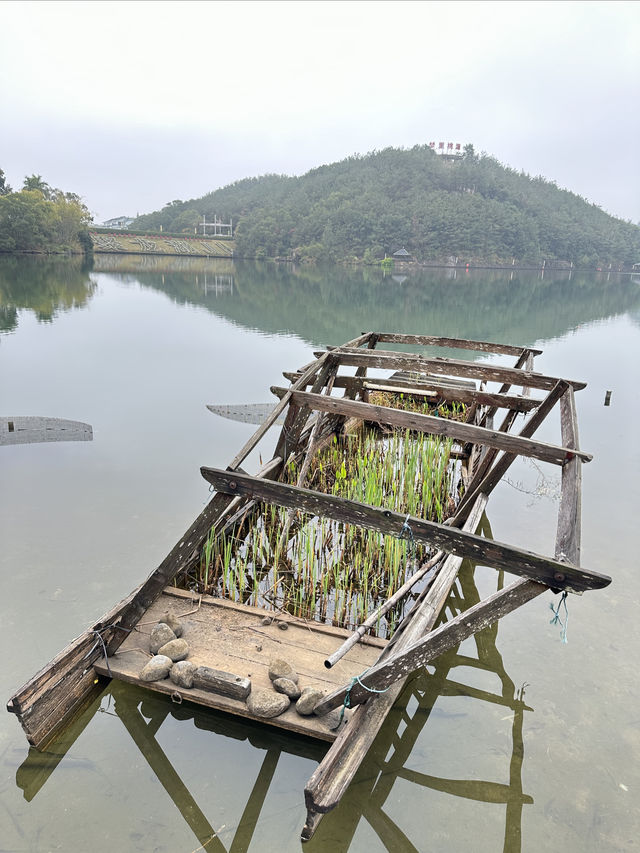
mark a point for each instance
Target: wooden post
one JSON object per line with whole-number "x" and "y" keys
{"x": 569, "y": 512}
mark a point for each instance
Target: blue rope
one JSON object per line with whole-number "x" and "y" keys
{"x": 407, "y": 527}
{"x": 347, "y": 696}
{"x": 556, "y": 616}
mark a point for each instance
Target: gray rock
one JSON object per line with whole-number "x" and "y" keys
{"x": 309, "y": 698}
{"x": 175, "y": 649}
{"x": 286, "y": 686}
{"x": 160, "y": 634}
{"x": 182, "y": 673}
{"x": 283, "y": 626}
{"x": 266, "y": 703}
{"x": 280, "y": 668}
{"x": 157, "y": 668}
{"x": 174, "y": 623}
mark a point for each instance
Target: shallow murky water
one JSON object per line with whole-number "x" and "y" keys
{"x": 515, "y": 741}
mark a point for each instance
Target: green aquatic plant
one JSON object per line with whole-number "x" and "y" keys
{"x": 325, "y": 570}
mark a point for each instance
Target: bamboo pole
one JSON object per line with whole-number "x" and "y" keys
{"x": 359, "y": 633}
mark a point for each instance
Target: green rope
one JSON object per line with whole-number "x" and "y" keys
{"x": 347, "y": 696}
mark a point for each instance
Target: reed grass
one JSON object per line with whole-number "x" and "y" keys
{"x": 328, "y": 571}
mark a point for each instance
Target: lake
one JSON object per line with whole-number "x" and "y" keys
{"x": 514, "y": 742}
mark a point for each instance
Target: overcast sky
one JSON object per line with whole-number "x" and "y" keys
{"x": 134, "y": 104}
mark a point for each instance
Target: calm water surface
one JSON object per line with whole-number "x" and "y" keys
{"x": 137, "y": 347}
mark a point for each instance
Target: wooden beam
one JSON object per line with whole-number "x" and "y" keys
{"x": 570, "y": 510}
{"x": 485, "y": 551}
{"x": 419, "y": 654}
{"x": 452, "y": 343}
{"x": 476, "y": 370}
{"x": 457, "y": 430}
{"x": 452, "y": 394}
{"x": 423, "y": 386}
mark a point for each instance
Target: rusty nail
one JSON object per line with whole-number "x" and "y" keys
{"x": 233, "y": 484}
{"x": 558, "y": 576}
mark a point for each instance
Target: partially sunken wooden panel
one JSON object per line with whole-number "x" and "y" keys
{"x": 231, "y": 637}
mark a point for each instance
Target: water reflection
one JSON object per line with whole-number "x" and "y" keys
{"x": 388, "y": 763}
{"x": 325, "y": 305}
{"x": 45, "y": 287}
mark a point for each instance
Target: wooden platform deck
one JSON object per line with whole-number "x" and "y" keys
{"x": 231, "y": 637}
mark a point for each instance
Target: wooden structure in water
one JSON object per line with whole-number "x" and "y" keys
{"x": 360, "y": 680}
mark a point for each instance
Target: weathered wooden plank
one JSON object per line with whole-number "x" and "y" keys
{"x": 454, "y": 394}
{"x": 458, "y": 430}
{"x": 402, "y": 663}
{"x": 452, "y": 343}
{"x": 232, "y": 637}
{"x": 224, "y": 683}
{"x": 331, "y": 778}
{"x": 424, "y": 387}
{"x": 53, "y": 695}
{"x": 570, "y": 509}
{"x": 423, "y": 364}
{"x": 486, "y": 480}
{"x": 450, "y": 539}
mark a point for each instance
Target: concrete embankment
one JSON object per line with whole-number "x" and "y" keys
{"x": 116, "y": 242}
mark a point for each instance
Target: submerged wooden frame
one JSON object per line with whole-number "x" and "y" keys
{"x": 62, "y": 688}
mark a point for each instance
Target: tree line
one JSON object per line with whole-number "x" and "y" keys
{"x": 472, "y": 208}
{"x": 41, "y": 218}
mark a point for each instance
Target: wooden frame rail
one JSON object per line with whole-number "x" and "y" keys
{"x": 358, "y": 385}
{"x": 391, "y": 360}
{"x": 457, "y": 430}
{"x": 453, "y": 343}
{"x": 450, "y": 539}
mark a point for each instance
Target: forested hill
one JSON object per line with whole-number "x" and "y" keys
{"x": 364, "y": 207}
